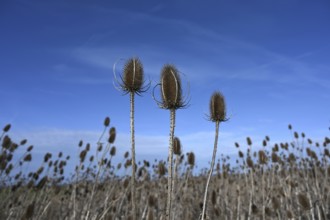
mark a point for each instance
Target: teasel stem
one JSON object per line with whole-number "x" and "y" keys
{"x": 217, "y": 123}
{"x": 170, "y": 165}
{"x": 133, "y": 155}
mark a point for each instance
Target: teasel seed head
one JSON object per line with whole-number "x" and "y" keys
{"x": 112, "y": 134}
{"x": 113, "y": 151}
{"x": 304, "y": 201}
{"x": 177, "y": 146}
{"x": 217, "y": 108}
{"x": 249, "y": 162}
{"x": 171, "y": 88}
{"x": 133, "y": 75}
{"x": 106, "y": 122}
{"x": 6, "y": 128}
{"x": 191, "y": 159}
{"x": 263, "y": 159}
{"x": 249, "y": 141}
{"x": 132, "y": 79}
{"x": 28, "y": 158}
{"x": 161, "y": 169}
{"x": 240, "y": 154}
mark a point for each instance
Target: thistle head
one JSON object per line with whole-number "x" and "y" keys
{"x": 171, "y": 88}
{"x": 177, "y": 146}
{"x": 217, "y": 108}
{"x": 132, "y": 79}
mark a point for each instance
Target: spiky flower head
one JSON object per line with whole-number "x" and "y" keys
{"x": 133, "y": 75}
{"x": 176, "y": 146}
{"x": 171, "y": 89}
{"x": 217, "y": 107}
{"x": 132, "y": 78}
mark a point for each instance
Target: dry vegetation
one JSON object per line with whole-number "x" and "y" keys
{"x": 283, "y": 181}
{"x": 288, "y": 180}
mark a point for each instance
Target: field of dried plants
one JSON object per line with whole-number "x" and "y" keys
{"x": 284, "y": 181}
{"x": 288, "y": 180}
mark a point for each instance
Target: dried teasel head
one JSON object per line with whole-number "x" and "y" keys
{"x": 177, "y": 146}
{"x": 217, "y": 108}
{"x": 6, "y": 128}
{"x": 132, "y": 79}
{"x": 170, "y": 89}
{"x": 191, "y": 159}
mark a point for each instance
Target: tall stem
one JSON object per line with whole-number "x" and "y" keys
{"x": 212, "y": 165}
{"x": 133, "y": 155}
{"x": 170, "y": 166}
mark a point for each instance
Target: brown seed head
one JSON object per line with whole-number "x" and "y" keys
{"x": 106, "y": 122}
{"x": 113, "y": 151}
{"x": 304, "y": 201}
{"x": 171, "y": 90}
{"x": 112, "y": 134}
{"x": 217, "y": 107}
{"x": 249, "y": 141}
{"x": 133, "y": 75}
{"x": 191, "y": 159}
{"x": 263, "y": 159}
{"x": 177, "y": 146}
{"x": 6, "y": 128}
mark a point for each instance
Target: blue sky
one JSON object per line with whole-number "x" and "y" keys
{"x": 270, "y": 59}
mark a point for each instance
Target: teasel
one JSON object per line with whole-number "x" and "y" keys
{"x": 217, "y": 115}
{"x": 177, "y": 150}
{"x": 171, "y": 99}
{"x": 132, "y": 82}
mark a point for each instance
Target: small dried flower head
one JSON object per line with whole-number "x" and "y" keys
{"x": 217, "y": 107}
{"x": 112, "y": 134}
{"x": 47, "y": 157}
{"x": 171, "y": 89}
{"x": 113, "y": 151}
{"x": 296, "y": 135}
{"x": 249, "y": 141}
{"x": 304, "y": 201}
{"x": 133, "y": 75}
{"x": 6, "y": 142}
{"x": 262, "y": 157}
{"x": 83, "y": 156}
{"x": 177, "y": 146}
{"x": 80, "y": 143}
{"x": 23, "y": 142}
{"x": 6, "y": 128}
{"x": 290, "y": 127}
{"x": 106, "y": 122}
{"x": 191, "y": 159}
{"x": 249, "y": 162}
{"x": 240, "y": 154}
{"x": 161, "y": 169}
{"x": 28, "y": 158}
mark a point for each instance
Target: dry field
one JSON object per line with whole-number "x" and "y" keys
{"x": 283, "y": 181}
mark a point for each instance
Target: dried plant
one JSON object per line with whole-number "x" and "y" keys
{"x": 132, "y": 82}
{"x": 217, "y": 115}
